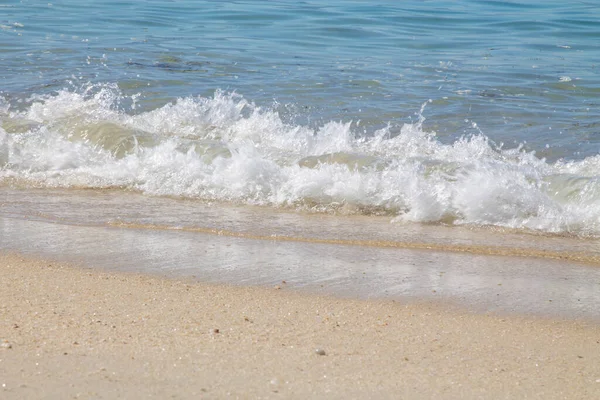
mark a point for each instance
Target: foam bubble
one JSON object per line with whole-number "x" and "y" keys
{"x": 225, "y": 148}
{"x": 3, "y": 148}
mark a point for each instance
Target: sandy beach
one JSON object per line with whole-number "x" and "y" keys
{"x": 299, "y": 200}
{"x": 75, "y": 332}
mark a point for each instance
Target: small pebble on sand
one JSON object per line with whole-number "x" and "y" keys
{"x": 320, "y": 352}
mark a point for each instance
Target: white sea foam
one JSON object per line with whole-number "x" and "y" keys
{"x": 225, "y": 148}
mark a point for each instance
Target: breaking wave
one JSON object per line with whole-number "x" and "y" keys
{"x": 225, "y": 148}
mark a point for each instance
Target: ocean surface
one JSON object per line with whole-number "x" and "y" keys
{"x": 469, "y": 126}
{"x": 471, "y": 112}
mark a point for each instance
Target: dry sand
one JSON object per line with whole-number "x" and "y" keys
{"x": 68, "y": 332}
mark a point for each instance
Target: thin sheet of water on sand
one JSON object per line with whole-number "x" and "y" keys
{"x": 137, "y": 211}
{"x": 483, "y": 282}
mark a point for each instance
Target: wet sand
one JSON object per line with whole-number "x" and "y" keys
{"x": 74, "y": 332}
{"x": 485, "y": 283}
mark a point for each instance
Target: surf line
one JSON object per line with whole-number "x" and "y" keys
{"x": 579, "y": 257}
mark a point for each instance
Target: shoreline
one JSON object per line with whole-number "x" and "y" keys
{"x": 70, "y": 331}
{"x": 483, "y": 283}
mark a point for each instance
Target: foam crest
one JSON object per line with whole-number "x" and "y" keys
{"x": 225, "y": 148}
{"x": 3, "y": 148}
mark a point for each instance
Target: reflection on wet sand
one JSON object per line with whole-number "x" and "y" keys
{"x": 481, "y": 282}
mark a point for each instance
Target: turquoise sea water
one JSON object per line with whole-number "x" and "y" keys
{"x": 477, "y": 113}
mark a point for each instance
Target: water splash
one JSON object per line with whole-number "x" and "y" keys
{"x": 225, "y": 148}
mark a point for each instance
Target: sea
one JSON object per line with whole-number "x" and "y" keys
{"x": 386, "y": 148}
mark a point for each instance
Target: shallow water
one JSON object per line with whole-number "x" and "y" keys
{"x": 449, "y": 126}
{"x": 500, "y": 271}
{"x": 478, "y": 113}
{"x": 472, "y": 277}
{"x": 524, "y": 72}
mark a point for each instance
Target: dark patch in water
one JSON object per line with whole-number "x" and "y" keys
{"x": 194, "y": 66}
